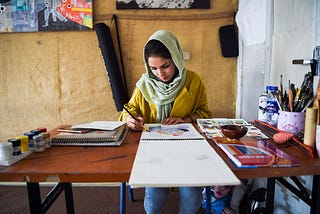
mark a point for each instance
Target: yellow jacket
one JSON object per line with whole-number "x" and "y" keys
{"x": 192, "y": 99}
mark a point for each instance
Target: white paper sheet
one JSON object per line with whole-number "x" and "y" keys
{"x": 179, "y": 163}
{"x": 102, "y": 125}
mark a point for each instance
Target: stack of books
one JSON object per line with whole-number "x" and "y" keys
{"x": 97, "y": 133}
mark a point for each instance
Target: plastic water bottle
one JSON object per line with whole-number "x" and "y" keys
{"x": 268, "y": 106}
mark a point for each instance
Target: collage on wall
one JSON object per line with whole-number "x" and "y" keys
{"x": 161, "y": 4}
{"x": 45, "y": 15}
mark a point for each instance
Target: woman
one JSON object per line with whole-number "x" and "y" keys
{"x": 167, "y": 93}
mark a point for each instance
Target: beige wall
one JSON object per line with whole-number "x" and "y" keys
{"x": 54, "y": 78}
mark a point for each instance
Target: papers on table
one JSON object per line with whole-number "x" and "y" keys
{"x": 175, "y": 163}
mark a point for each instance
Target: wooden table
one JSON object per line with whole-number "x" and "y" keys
{"x": 66, "y": 165}
{"x": 70, "y": 164}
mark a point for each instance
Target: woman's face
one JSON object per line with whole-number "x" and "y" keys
{"x": 162, "y": 68}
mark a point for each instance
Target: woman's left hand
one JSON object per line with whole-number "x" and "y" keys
{"x": 172, "y": 121}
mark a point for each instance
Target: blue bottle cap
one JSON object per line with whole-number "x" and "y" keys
{"x": 271, "y": 88}
{"x": 30, "y": 134}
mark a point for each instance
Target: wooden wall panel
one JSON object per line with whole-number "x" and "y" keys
{"x": 54, "y": 78}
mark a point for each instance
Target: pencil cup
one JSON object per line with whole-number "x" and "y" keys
{"x": 292, "y": 122}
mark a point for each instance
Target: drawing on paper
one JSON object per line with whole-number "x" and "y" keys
{"x": 169, "y": 130}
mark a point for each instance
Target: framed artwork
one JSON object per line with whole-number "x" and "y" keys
{"x": 163, "y": 4}
{"x": 45, "y": 15}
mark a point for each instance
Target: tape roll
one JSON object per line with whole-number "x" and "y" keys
{"x": 310, "y": 127}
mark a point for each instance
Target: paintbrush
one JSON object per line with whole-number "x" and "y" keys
{"x": 290, "y": 99}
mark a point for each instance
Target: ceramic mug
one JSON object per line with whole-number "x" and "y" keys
{"x": 292, "y": 122}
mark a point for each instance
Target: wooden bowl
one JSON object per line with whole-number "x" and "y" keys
{"x": 233, "y": 131}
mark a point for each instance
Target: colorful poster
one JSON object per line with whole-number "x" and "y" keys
{"x": 45, "y": 15}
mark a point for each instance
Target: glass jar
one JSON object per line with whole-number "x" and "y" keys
{"x": 47, "y": 140}
{"x": 38, "y": 144}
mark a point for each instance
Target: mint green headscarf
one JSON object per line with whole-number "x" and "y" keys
{"x": 159, "y": 93}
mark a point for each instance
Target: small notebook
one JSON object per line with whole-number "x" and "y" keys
{"x": 92, "y": 138}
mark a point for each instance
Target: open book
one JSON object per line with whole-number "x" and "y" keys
{"x": 178, "y": 155}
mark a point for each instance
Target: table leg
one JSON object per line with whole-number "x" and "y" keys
{"x": 123, "y": 198}
{"x": 270, "y": 194}
{"x": 34, "y": 198}
{"x": 130, "y": 193}
{"x": 315, "y": 205}
{"x": 37, "y": 206}
{"x": 69, "y": 198}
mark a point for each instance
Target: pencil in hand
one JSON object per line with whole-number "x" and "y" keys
{"x": 144, "y": 128}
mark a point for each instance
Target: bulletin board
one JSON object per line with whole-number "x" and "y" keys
{"x": 45, "y": 15}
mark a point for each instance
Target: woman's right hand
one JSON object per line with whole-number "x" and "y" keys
{"x": 135, "y": 124}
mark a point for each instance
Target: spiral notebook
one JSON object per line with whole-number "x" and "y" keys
{"x": 93, "y": 138}
{"x": 183, "y": 131}
{"x": 171, "y": 156}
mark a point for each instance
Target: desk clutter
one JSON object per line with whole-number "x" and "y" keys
{"x": 97, "y": 133}
{"x": 253, "y": 150}
{"x": 291, "y": 111}
{"x": 15, "y": 149}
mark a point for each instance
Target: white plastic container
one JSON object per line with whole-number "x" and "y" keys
{"x": 268, "y": 106}
{"x": 6, "y": 151}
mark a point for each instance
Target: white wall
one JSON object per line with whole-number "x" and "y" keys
{"x": 291, "y": 32}
{"x": 293, "y": 38}
{"x": 253, "y": 57}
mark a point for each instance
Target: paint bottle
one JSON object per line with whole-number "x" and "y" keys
{"x": 24, "y": 143}
{"x": 47, "y": 140}
{"x": 6, "y": 151}
{"x": 16, "y": 146}
{"x": 38, "y": 144}
{"x": 30, "y": 136}
{"x": 42, "y": 129}
{"x": 268, "y": 106}
{"x": 35, "y": 131}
